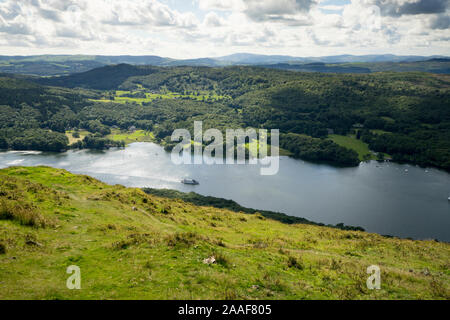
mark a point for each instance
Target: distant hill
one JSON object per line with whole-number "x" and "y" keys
{"x": 318, "y": 67}
{"x": 51, "y": 65}
{"x": 250, "y": 59}
{"x": 108, "y": 77}
{"x": 436, "y": 65}
{"x": 439, "y": 60}
{"x": 246, "y": 58}
{"x": 46, "y": 68}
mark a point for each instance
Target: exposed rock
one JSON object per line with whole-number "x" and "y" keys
{"x": 210, "y": 260}
{"x": 33, "y": 243}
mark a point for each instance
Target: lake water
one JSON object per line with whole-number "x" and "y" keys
{"x": 382, "y": 198}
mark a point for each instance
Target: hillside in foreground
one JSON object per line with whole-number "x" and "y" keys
{"x": 131, "y": 245}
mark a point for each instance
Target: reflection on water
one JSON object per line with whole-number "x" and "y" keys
{"x": 393, "y": 199}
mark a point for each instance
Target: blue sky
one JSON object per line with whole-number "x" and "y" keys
{"x": 200, "y": 28}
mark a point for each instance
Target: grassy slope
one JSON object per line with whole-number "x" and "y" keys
{"x": 149, "y": 97}
{"x": 130, "y": 137}
{"x": 117, "y": 135}
{"x": 359, "y": 146}
{"x": 156, "y": 250}
{"x": 352, "y": 143}
{"x": 72, "y": 140}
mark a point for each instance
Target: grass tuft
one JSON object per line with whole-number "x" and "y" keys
{"x": 165, "y": 209}
{"x": 135, "y": 239}
{"x": 24, "y": 214}
{"x": 295, "y": 263}
{"x": 222, "y": 260}
{"x": 2, "y": 248}
{"x": 185, "y": 239}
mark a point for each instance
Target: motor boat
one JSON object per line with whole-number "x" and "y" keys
{"x": 190, "y": 182}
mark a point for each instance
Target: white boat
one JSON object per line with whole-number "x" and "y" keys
{"x": 190, "y": 182}
{"x": 448, "y": 198}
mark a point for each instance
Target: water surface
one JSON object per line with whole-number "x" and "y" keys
{"x": 386, "y": 198}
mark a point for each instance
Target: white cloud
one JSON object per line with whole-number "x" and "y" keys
{"x": 277, "y": 9}
{"x": 219, "y": 5}
{"x": 213, "y": 20}
{"x": 218, "y": 27}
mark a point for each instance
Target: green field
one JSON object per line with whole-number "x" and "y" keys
{"x": 116, "y": 135}
{"x": 379, "y": 132}
{"x": 130, "y": 245}
{"x": 351, "y": 142}
{"x": 72, "y": 140}
{"x": 130, "y": 137}
{"x": 255, "y": 145}
{"x": 120, "y": 97}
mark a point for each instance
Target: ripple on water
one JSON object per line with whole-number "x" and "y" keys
{"x": 15, "y": 162}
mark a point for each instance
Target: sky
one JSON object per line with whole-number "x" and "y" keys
{"x": 186, "y": 29}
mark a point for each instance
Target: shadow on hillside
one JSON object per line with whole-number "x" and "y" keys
{"x": 231, "y": 205}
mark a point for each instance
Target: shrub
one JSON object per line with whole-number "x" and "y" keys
{"x": 294, "y": 263}
{"x": 272, "y": 282}
{"x": 134, "y": 239}
{"x": 184, "y": 239}
{"x": 220, "y": 243}
{"x": 25, "y": 214}
{"x": 222, "y": 260}
{"x": 230, "y": 295}
{"x": 5, "y": 212}
{"x": 165, "y": 209}
{"x": 2, "y": 248}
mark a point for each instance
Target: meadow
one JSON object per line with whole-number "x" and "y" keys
{"x": 352, "y": 143}
{"x": 141, "y": 96}
{"x": 130, "y": 137}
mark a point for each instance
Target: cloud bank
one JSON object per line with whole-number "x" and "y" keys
{"x": 217, "y": 27}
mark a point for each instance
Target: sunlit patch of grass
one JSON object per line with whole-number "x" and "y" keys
{"x": 352, "y": 143}
{"x": 82, "y": 134}
{"x": 130, "y": 137}
{"x": 123, "y": 97}
{"x": 379, "y": 132}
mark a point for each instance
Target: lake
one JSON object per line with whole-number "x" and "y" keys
{"x": 386, "y": 198}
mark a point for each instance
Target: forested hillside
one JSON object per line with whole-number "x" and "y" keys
{"x": 403, "y": 115}
{"x": 102, "y": 78}
{"x": 437, "y": 66}
{"x": 34, "y": 117}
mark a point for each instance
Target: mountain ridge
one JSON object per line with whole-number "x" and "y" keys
{"x": 51, "y": 65}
